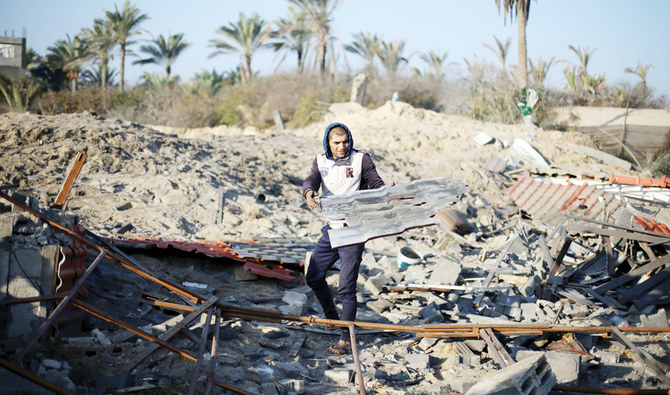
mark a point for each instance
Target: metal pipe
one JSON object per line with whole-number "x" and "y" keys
{"x": 102, "y": 315}
{"x": 201, "y": 350}
{"x": 357, "y": 362}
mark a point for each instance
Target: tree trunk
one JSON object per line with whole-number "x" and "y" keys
{"x": 123, "y": 62}
{"x": 522, "y": 18}
{"x": 248, "y": 58}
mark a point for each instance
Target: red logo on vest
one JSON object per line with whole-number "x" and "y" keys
{"x": 350, "y": 172}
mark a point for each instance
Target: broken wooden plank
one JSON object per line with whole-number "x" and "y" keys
{"x": 193, "y": 382}
{"x": 641, "y": 289}
{"x": 295, "y": 348}
{"x": 575, "y": 296}
{"x": 561, "y": 254}
{"x": 75, "y": 168}
{"x": 656, "y": 295}
{"x": 496, "y": 349}
{"x": 608, "y": 301}
{"x": 492, "y": 272}
{"x": 357, "y": 362}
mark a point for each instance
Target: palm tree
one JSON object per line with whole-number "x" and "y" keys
{"x": 520, "y": 8}
{"x": 101, "y": 41}
{"x": 641, "y": 71}
{"x": 162, "y": 51}
{"x": 125, "y": 24}
{"x": 318, "y": 19}
{"x": 501, "y": 50}
{"x": 365, "y": 45}
{"x": 247, "y": 35}
{"x": 390, "y": 55}
{"x": 584, "y": 55}
{"x": 101, "y": 75}
{"x": 69, "y": 55}
{"x": 539, "y": 73}
{"x": 435, "y": 60}
{"x": 209, "y": 83}
{"x": 291, "y": 36}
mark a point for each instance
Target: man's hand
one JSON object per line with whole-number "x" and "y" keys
{"x": 309, "y": 196}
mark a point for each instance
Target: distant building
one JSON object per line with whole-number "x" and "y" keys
{"x": 12, "y": 56}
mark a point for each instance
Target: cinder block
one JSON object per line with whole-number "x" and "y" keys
{"x": 565, "y": 366}
{"x": 445, "y": 272}
{"x": 418, "y": 361}
{"x": 25, "y": 319}
{"x": 379, "y": 305}
{"x": 431, "y": 313}
{"x": 21, "y": 287}
{"x": 6, "y": 226}
{"x": 375, "y": 284}
{"x": 529, "y": 376}
{"x": 657, "y": 320}
{"x": 292, "y": 297}
{"x": 528, "y": 289}
{"x": 340, "y": 376}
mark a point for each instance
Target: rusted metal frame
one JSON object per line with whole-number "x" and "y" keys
{"x": 30, "y": 300}
{"x": 633, "y": 274}
{"x": 587, "y": 390}
{"x": 170, "y": 333}
{"x": 561, "y": 255}
{"x": 643, "y": 356}
{"x": 357, "y": 362}
{"x": 492, "y": 272}
{"x": 626, "y": 228}
{"x": 201, "y": 351}
{"x": 104, "y": 316}
{"x": 172, "y": 306}
{"x": 609, "y": 254}
{"x": 63, "y": 303}
{"x": 211, "y": 372}
{"x": 75, "y": 168}
{"x": 33, "y": 377}
{"x": 496, "y": 349}
{"x": 120, "y": 259}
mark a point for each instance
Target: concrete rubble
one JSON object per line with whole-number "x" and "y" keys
{"x": 516, "y": 296}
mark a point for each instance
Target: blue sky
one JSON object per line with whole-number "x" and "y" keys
{"x": 623, "y": 31}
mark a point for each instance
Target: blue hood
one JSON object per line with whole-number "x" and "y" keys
{"x": 330, "y": 127}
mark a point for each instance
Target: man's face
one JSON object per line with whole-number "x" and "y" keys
{"x": 338, "y": 142}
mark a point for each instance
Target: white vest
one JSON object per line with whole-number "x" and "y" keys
{"x": 341, "y": 177}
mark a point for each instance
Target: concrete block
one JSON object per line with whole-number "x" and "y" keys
{"x": 25, "y": 319}
{"x": 49, "y": 254}
{"x": 431, "y": 313}
{"x": 101, "y": 338}
{"x": 461, "y": 384}
{"x": 340, "y": 376}
{"x": 476, "y": 345}
{"x": 21, "y": 287}
{"x": 418, "y": 361}
{"x": 6, "y": 226}
{"x": 388, "y": 265}
{"x": 528, "y": 288}
{"x": 427, "y": 342}
{"x": 297, "y": 386}
{"x": 657, "y": 320}
{"x": 445, "y": 272}
{"x": 416, "y": 273}
{"x": 291, "y": 297}
{"x": 376, "y": 284}
{"x": 292, "y": 309}
{"x": 565, "y": 366}
{"x": 529, "y": 376}
{"x": 379, "y": 305}
{"x": 26, "y": 262}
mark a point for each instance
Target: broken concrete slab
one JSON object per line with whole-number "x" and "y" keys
{"x": 445, "y": 271}
{"x": 565, "y": 366}
{"x": 531, "y": 375}
{"x": 657, "y": 320}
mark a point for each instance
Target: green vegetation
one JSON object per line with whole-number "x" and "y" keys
{"x": 76, "y": 74}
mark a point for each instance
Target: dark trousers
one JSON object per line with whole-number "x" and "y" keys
{"x": 323, "y": 258}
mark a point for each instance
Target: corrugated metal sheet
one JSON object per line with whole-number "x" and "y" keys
{"x": 550, "y": 201}
{"x": 264, "y": 257}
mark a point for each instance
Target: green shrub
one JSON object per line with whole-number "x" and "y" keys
{"x": 229, "y": 111}
{"x": 64, "y": 101}
{"x": 125, "y": 99}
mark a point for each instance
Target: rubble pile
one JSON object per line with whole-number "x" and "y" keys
{"x": 533, "y": 281}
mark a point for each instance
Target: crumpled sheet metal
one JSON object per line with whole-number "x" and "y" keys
{"x": 374, "y": 213}
{"x": 264, "y": 257}
{"x": 550, "y": 201}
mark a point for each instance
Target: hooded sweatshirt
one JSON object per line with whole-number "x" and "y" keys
{"x": 341, "y": 176}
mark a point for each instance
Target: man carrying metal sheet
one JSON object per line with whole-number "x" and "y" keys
{"x": 338, "y": 171}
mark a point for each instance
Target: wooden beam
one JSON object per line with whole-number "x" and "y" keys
{"x": 75, "y": 168}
